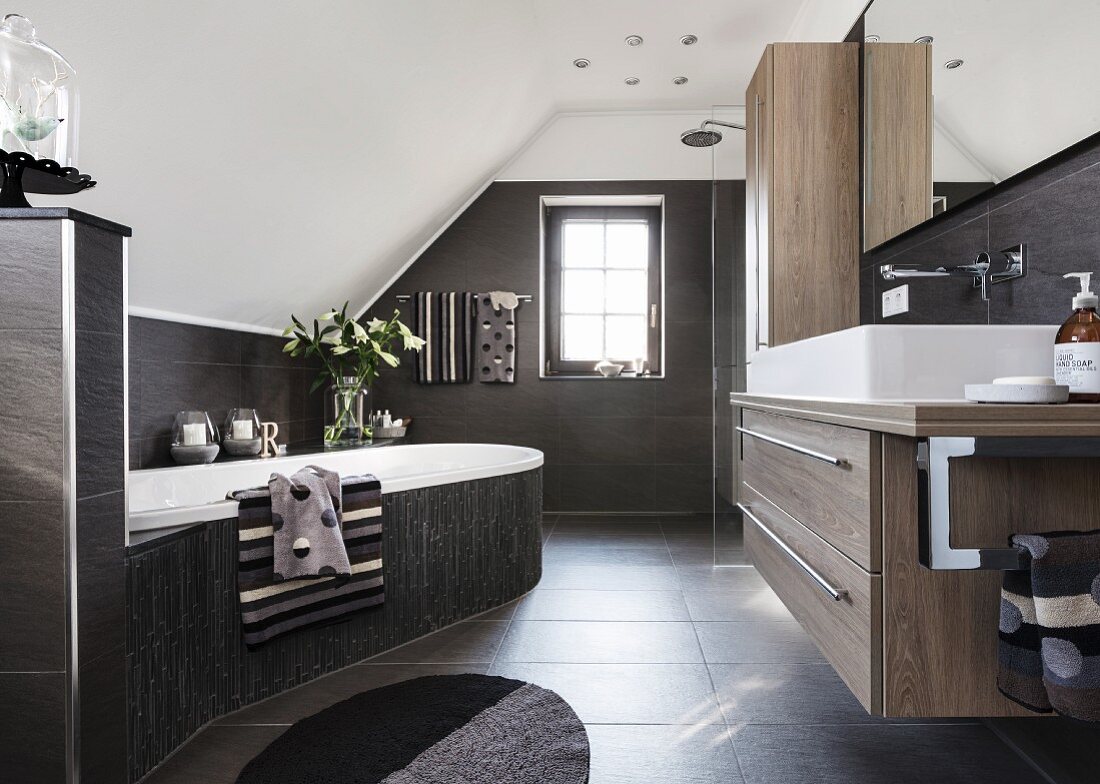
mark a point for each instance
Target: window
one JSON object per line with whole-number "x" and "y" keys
{"x": 602, "y": 284}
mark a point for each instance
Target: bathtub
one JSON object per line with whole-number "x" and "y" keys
{"x": 168, "y": 498}
{"x": 462, "y": 535}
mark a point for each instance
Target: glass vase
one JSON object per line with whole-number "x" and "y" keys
{"x": 346, "y": 414}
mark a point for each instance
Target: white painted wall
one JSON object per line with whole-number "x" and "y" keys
{"x": 630, "y": 146}
{"x": 825, "y": 20}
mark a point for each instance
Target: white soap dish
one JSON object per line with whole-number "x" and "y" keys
{"x": 1017, "y": 393}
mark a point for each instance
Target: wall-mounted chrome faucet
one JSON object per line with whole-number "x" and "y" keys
{"x": 1008, "y": 264}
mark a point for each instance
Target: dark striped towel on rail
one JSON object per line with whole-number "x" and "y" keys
{"x": 270, "y": 608}
{"x": 1050, "y": 626}
{"x": 444, "y": 320}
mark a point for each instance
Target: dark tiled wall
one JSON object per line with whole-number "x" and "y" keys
{"x": 176, "y": 367}
{"x": 1054, "y": 209}
{"x": 451, "y": 552}
{"x": 623, "y": 446}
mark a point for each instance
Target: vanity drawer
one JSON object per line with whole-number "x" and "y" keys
{"x": 825, "y": 476}
{"x": 838, "y": 604}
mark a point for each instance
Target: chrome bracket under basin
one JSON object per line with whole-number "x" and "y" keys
{"x": 934, "y": 493}
{"x": 986, "y": 270}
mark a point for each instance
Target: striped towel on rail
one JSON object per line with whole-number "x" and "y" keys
{"x": 269, "y": 608}
{"x": 444, "y": 320}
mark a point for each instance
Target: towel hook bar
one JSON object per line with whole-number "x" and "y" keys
{"x": 407, "y": 297}
{"x": 934, "y": 493}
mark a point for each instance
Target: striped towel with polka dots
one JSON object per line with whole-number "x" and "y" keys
{"x": 269, "y": 606}
{"x": 1049, "y": 657}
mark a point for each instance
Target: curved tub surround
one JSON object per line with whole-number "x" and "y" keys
{"x": 450, "y": 551}
{"x": 170, "y": 497}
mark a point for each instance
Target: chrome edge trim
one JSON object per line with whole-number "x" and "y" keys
{"x": 68, "y": 480}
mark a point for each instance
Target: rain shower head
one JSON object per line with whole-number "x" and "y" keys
{"x": 703, "y": 137}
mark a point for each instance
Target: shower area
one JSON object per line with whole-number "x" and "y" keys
{"x": 724, "y": 136}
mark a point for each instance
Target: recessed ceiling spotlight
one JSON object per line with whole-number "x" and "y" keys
{"x": 631, "y": 80}
{"x": 634, "y": 40}
{"x": 951, "y": 65}
{"x": 688, "y": 40}
{"x": 680, "y": 80}
{"x": 582, "y": 62}
{"x": 872, "y": 39}
{"x": 924, "y": 39}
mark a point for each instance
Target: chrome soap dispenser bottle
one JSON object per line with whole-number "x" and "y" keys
{"x": 1077, "y": 346}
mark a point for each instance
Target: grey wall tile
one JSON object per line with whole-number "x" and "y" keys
{"x": 100, "y": 412}
{"x": 98, "y": 280}
{"x": 170, "y": 341}
{"x": 30, "y": 266}
{"x": 103, "y": 737}
{"x": 608, "y": 440}
{"x": 30, "y": 418}
{"x": 608, "y": 488}
{"x": 32, "y": 586}
{"x": 32, "y": 725}
{"x": 101, "y": 574}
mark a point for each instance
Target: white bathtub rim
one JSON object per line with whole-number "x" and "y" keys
{"x": 151, "y": 519}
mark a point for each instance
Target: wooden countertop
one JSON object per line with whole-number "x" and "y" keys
{"x": 934, "y": 418}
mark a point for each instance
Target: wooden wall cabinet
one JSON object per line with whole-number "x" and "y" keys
{"x": 802, "y": 193}
{"x": 897, "y": 132}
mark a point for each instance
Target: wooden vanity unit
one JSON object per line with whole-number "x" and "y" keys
{"x": 830, "y": 493}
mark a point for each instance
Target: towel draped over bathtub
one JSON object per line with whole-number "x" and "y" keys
{"x": 1049, "y": 649}
{"x": 305, "y": 516}
{"x": 444, "y": 320}
{"x": 270, "y": 607}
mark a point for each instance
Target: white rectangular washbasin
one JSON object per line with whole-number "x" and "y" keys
{"x": 904, "y": 362}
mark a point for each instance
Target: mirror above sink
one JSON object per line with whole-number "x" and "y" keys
{"x": 960, "y": 96}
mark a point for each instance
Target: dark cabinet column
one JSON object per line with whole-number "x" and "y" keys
{"x": 62, "y": 496}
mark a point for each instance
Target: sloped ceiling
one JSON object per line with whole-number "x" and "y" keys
{"x": 274, "y": 156}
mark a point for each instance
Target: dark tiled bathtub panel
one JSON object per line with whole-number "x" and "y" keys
{"x": 449, "y": 551}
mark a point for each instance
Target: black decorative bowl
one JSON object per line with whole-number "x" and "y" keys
{"x": 23, "y": 173}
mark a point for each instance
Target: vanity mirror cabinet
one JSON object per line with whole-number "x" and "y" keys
{"x": 958, "y": 97}
{"x": 802, "y": 193}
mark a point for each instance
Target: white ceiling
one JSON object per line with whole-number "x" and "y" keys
{"x": 273, "y": 159}
{"x": 1026, "y": 89}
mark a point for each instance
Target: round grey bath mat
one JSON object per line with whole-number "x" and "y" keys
{"x": 440, "y": 729}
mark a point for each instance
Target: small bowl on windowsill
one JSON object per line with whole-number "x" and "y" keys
{"x": 609, "y": 369}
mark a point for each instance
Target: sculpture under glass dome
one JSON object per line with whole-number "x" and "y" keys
{"x": 38, "y": 117}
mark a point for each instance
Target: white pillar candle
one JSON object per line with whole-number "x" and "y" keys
{"x": 194, "y": 435}
{"x": 242, "y": 430}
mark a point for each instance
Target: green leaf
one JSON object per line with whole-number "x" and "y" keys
{"x": 389, "y": 359}
{"x": 340, "y": 350}
{"x": 318, "y": 383}
{"x": 288, "y": 331}
{"x": 290, "y": 346}
{"x": 329, "y": 315}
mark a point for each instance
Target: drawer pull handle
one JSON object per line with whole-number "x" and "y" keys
{"x": 836, "y": 593}
{"x": 837, "y": 461}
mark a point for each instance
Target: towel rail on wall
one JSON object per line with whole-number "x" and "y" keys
{"x": 520, "y": 297}
{"x": 934, "y": 493}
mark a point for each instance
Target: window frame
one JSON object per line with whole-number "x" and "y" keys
{"x": 555, "y": 210}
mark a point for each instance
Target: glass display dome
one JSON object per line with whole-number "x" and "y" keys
{"x": 38, "y": 97}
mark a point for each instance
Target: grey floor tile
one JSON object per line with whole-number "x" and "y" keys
{"x": 626, "y": 693}
{"x": 609, "y": 519}
{"x": 640, "y": 754}
{"x": 597, "y": 558}
{"x": 687, "y": 526}
{"x": 607, "y": 526}
{"x": 736, "y": 606}
{"x": 288, "y": 707}
{"x": 581, "y": 540}
{"x": 610, "y": 577}
{"x": 720, "y": 578}
{"x": 776, "y": 643}
{"x": 581, "y": 605}
{"x": 786, "y": 694}
{"x": 884, "y": 754}
{"x": 469, "y": 641}
{"x": 599, "y": 643}
{"x": 502, "y": 613}
{"x": 215, "y": 756}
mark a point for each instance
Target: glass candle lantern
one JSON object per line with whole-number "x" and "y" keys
{"x": 242, "y": 432}
{"x": 193, "y": 428}
{"x": 38, "y": 97}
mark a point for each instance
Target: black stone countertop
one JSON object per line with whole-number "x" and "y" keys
{"x": 59, "y": 213}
